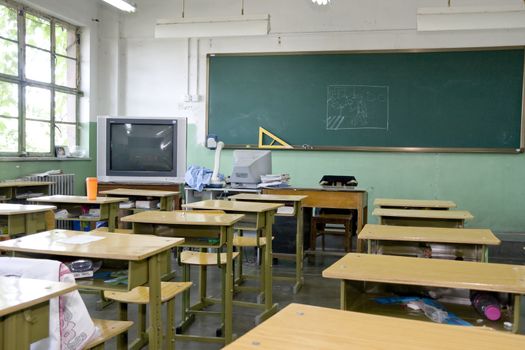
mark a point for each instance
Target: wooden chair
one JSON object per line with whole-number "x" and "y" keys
{"x": 140, "y": 296}
{"x": 331, "y": 217}
{"x": 203, "y": 259}
{"x": 106, "y": 330}
{"x": 240, "y": 242}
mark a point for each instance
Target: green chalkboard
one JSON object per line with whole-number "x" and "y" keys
{"x": 424, "y": 101}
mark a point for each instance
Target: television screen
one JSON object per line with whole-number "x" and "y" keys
{"x": 141, "y": 147}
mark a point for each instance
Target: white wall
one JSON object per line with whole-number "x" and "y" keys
{"x": 151, "y": 75}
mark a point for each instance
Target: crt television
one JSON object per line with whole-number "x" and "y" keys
{"x": 248, "y": 166}
{"x": 141, "y": 150}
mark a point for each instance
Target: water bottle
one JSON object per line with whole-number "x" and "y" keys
{"x": 486, "y": 304}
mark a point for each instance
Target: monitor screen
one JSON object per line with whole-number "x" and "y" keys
{"x": 141, "y": 147}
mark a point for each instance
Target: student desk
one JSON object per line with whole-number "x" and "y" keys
{"x": 23, "y": 218}
{"x": 305, "y": 327}
{"x": 22, "y": 190}
{"x": 393, "y": 203}
{"x": 363, "y": 275}
{"x": 450, "y": 243}
{"x": 24, "y": 310}
{"x": 331, "y": 198}
{"x": 108, "y": 207}
{"x": 297, "y": 211}
{"x": 257, "y": 217}
{"x": 191, "y": 226}
{"x": 144, "y": 256}
{"x": 418, "y": 217}
{"x": 166, "y": 198}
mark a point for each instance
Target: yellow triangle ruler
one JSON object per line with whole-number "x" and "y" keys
{"x": 280, "y": 142}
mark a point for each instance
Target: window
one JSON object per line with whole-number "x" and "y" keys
{"x": 39, "y": 82}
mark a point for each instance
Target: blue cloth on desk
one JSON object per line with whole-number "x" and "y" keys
{"x": 199, "y": 177}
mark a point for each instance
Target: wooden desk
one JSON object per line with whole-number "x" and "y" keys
{"x": 144, "y": 255}
{"x": 22, "y": 190}
{"x": 355, "y": 269}
{"x": 297, "y": 211}
{"x": 171, "y": 187}
{"x": 24, "y": 310}
{"x": 416, "y": 217}
{"x": 166, "y": 198}
{"x": 393, "y": 203}
{"x": 257, "y": 217}
{"x": 305, "y": 327}
{"x": 331, "y": 198}
{"x": 192, "y": 226}
{"x": 23, "y": 218}
{"x": 108, "y": 207}
{"x": 449, "y": 243}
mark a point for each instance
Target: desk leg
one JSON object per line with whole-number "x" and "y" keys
{"x": 519, "y": 309}
{"x": 228, "y": 286}
{"x": 299, "y": 258}
{"x": 344, "y": 295}
{"x": 362, "y": 214}
{"x": 112, "y": 216}
{"x": 155, "y": 333}
{"x": 269, "y": 307}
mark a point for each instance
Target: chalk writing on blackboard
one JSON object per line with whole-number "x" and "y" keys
{"x": 357, "y": 107}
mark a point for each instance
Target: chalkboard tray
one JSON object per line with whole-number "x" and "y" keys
{"x": 431, "y": 101}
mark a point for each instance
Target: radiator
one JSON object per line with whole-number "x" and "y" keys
{"x": 62, "y": 184}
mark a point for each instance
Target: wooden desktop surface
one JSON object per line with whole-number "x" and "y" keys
{"x": 319, "y": 197}
{"x": 238, "y": 206}
{"x": 267, "y": 197}
{"x": 77, "y": 199}
{"x": 139, "y": 192}
{"x": 20, "y": 293}
{"x": 424, "y": 214}
{"x": 183, "y": 217}
{"x": 305, "y": 327}
{"x": 414, "y": 203}
{"x": 429, "y": 234}
{"x": 429, "y": 272}
{"x": 24, "y": 183}
{"x": 13, "y": 209}
{"x": 119, "y": 246}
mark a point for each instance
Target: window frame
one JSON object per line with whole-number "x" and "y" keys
{"x": 22, "y": 82}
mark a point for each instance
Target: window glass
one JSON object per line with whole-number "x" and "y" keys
{"x": 65, "y": 72}
{"x": 38, "y": 136}
{"x": 38, "y": 32}
{"x": 8, "y": 99}
{"x": 38, "y": 65}
{"x": 8, "y": 135}
{"x": 8, "y": 57}
{"x": 8, "y": 23}
{"x": 65, "y": 107}
{"x": 38, "y": 103}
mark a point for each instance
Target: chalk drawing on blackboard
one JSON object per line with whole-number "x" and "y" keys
{"x": 357, "y": 107}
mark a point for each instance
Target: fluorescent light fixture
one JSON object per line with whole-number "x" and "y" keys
{"x": 470, "y": 18}
{"x": 122, "y": 5}
{"x": 321, "y": 2}
{"x": 213, "y": 27}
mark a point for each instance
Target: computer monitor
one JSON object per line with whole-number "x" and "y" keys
{"x": 248, "y": 166}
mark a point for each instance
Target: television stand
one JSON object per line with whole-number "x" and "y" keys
{"x": 105, "y": 186}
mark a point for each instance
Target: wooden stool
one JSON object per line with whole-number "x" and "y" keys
{"x": 140, "y": 296}
{"x": 106, "y": 330}
{"x": 240, "y": 242}
{"x": 319, "y": 228}
{"x": 202, "y": 259}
